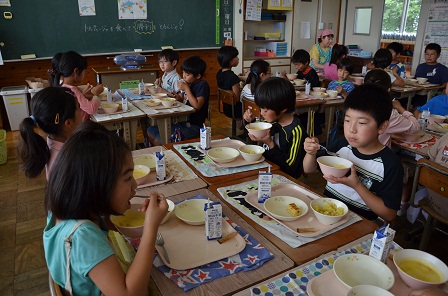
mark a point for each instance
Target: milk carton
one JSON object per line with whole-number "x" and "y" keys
{"x": 160, "y": 166}
{"x": 381, "y": 243}
{"x": 213, "y": 220}
{"x": 109, "y": 96}
{"x": 141, "y": 88}
{"x": 307, "y": 88}
{"x": 124, "y": 103}
{"x": 264, "y": 185}
{"x": 205, "y": 133}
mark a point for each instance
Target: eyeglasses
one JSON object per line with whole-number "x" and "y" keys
{"x": 163, "y": 62}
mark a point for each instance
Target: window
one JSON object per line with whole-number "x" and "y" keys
{"x": 401, "y": 16}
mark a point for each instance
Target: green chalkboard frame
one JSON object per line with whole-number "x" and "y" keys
{"x": 44, "y": 28}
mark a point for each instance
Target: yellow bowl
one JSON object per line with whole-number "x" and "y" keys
{"x": 191, "y": 211}
{"x": 334, "y": 166}
{"x": 131, "y": 222}
{"x": 223, "y": 154}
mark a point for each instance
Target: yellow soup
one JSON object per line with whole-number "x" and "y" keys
{"x": 138, "y": 173}
{"x": 256, "y": 128}
{"x": 131, "y": 218}
{"x": 421, "y": 270}
{"x": 335, "y": 165}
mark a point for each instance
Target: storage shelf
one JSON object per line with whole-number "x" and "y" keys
{"x": 254, "y": 41}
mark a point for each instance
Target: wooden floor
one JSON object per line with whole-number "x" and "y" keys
{"x": 22, "y": 263}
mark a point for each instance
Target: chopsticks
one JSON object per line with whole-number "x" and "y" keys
{"x": 145, "y": 196}
{"x": 311, "y": 115}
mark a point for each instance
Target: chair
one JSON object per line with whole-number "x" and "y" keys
{"x": 55, "y": 289}
{"x": 228, "y": 97}
{"x": 250, "y": 104}
{"x": 209, "y": 115}
{"x": 434, "y": 177}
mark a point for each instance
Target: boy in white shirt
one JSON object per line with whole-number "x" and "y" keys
{"x": 168, "y": 60}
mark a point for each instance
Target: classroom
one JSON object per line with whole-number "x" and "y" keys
{"x": 213, "y": 141}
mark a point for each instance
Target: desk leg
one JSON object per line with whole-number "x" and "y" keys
{"x": 133, "y": 133}
{"x": 164, "y": 125}
{"x": 410, "y": 96}
{"x": 127, "y": 134}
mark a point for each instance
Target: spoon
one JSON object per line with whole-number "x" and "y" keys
{"x": 329, "y": 152}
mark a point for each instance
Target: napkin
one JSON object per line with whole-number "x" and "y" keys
{"x": 253, "y": 256}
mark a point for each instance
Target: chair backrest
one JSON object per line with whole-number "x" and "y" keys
{"x": 250, "y": 104}
{"x": 55, "y": 289}
{"x": 227, "y": 97}
{"x": 209, "y": 115}
{"x": 431, "y": 175}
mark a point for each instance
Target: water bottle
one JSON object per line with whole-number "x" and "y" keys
{"x": 141, "y": 88}
{"x": 307, "y": 88}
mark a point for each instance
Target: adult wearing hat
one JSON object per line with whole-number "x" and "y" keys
{"x": 320, "y": 53}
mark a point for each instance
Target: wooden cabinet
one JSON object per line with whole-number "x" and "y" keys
{"x": 271, "y": 34}
{"x": 407, "y": 46}
{"x": 359, "y": 63}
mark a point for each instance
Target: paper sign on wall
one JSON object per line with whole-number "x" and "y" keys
{"x": 86, "y": 7}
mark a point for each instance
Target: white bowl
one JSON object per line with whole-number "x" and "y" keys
{"x": 368, "y": 290}
{"x": 110, "y": 108}
{"x": 436, "y": 118}
{"x": 258, "y": 129}
{"x": 277, "y": 207}
{"x": 223, "y": 154}
{"x": 332, "y": 93}
{"x": 299, "y": 82}
{"x": 358, "y": 80}
{"x": 291, "y": 76}
{"x": 159, "y": 96}
{"x": 148, "y": 160}
{"x": 251, "y": 152}
{"x": 168, "y": 102}
{"x": 334, "y": 165}
{"x": 171, "y": 207}
{"x": 141, "y": 173}
{"x": 324, "y": 203}
{"x": 149, "y": 87}
{"x": 358, "y": 269}
{"x": 421, "y": 80}
{"x": 152, "y": 102}
{"x": 191, "y": 211}
{"x": 319, "y": 89}
{"x": 411, "y": 80}
{"x": 319, "y": 94}
{"x": 431, "y": 261}
{"x": 131, "y": 222}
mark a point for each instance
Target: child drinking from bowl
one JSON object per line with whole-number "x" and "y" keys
{"x": 55, "y": 110}
{"x": 168, "y": 60}
{"x": 70, "y": 67}
{"x": 92, "y": 177}
{"x": 373, "y": 187}
{"x": 276, "y": 99}
{"x": 343, "y": 86}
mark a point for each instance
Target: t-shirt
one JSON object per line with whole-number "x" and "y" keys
{"x": 310, "y": 75}
{"x": 348, "y": 86}
{"x": 331, "y": 71}
{"x": 89, "y": 247}
{"x": 381, "y": 173}
{"x": 247, "y": 92}
{"x": 437, "y": 74}
{"x": 288, "y": 152}
{"x": 400, "y": 66}
{"x": 320, "y": 54}
{"x": 199, "y": 89}
{"x": 226, "y": 80}
{"x": 169, "y": 81}
{"x": 437, "y": 105}
{"x": 88, "y": 107}
{"x": 55, "y": 147}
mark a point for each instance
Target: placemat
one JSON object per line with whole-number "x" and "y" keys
{"x": 416, "y": 146}
{"x": 235, "y": 195}
{"x": 206, "y": 166}
{"x": 253, "y": 256}
{"x": 178, "y": 168}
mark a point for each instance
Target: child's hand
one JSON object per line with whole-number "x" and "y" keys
{"x": 87, "y": 89}
{"x": 267, "y": 139}
{"x": 339, "y": 89}
{"x": 311, "y": 145}
{"x": 283, "y": 74}
{"x": 351, "y": 181}
{"x": 158, "y": 82}
{"x": 394, "y": 70}
{"x": 156, "y": 208}
{"x": 97, "y": 90}
{"x": 248, "y": 115}
{"x": 397, "y": 105}
{"x": 182, "y": 85}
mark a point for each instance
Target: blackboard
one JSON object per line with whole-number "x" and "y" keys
{"x": 46, "y": 27}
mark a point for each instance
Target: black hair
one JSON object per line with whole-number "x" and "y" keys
{"x": 194, "y": 65}
{"x": 347, "y": 64}
{"x": 54, "y": 68}
{"x": 301, "y": 56}
{"x": 68, "y": 62}
{"x": 46, "y": 105}
{"x": 169, "y": 55}
{"x": 382, "y": 58}
{"x": 372, "y": 100}
{"x": 85, "y": 173}
{"x": 225, "y": 55}
{"x": 379, "y": 78}
{"x": 338, "y": 52}
{"x": 396, "y": 47}
{"x": 256, "y": 68}
{"x": 433, "y": 46}
{"x": 276, "y": 94}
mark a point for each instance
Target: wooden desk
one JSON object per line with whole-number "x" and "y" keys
{"x": 112, "y": 76}
{"x": 219, "y": 179}
{"x": 124, "y": 121}
{"x": 308, "y": 106}
{"x": 233, "y": 283}
{"x": 310, "y": 250}
{"x": 163, "y": 120}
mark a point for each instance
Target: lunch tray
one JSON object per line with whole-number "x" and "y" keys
{"x": 188, "y": 247}
{"x": 424, "y": 138}
{"x": 307, "y": 225}
{"x": 239, "y": 161}
{"x": 152, "y": 179}
{"x": 160, "y": 106}
{"x": 437, "y": 129}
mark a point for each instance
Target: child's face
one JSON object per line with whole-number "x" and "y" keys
{"x": 125, "y": 188}
{"x": 394, "y": 54}
{"x": 342, "y": 74}
{"x": 431, "y": 56}
{"x": 167, "y": 65}
{"x": 301, "y": 67}
{"x": 361, "y": 129}
{"x": 269, "y": 115}
{"x": 190, "y": 78}
{"x": 266, "y": 75}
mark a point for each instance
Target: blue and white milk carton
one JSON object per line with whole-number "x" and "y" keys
{"x": 264, "y": 185}
{"x": 206, "y": 133}
{"x": 213, "y": 220}
{"x": 160, "y": 166}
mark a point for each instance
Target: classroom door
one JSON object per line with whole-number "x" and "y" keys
{"x": 367, "y": 41}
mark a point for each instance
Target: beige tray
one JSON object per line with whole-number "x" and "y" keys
{"x": 239, "y": 161}
{"x": 160, "y": 106}
{"x": 307, "y": 221}
{"x": 328, "y": 284}
{"x": 424, "y": 138}
{"x": 187, "y": 246}
{"x": 152, "y": 179}
{"x": 437, "y": 129}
